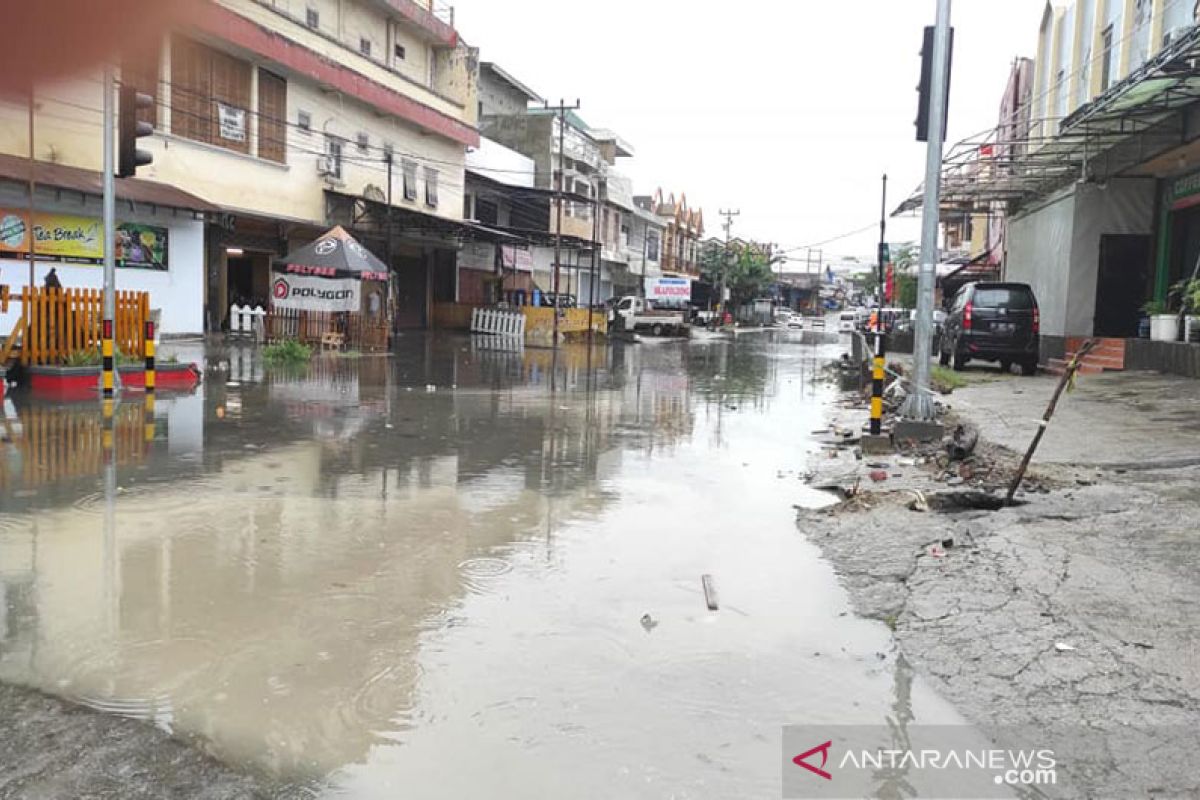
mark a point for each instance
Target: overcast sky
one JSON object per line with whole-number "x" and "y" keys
{"x": 789, "y": 110}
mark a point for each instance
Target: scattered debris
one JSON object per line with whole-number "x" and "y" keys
{"x": 1063, "y": 647}
{"x": 877, "y": 475}
{"x": 961, "y": 443}
{"x": 710, "y": 592}
{"x": 649, "y": 622}
{"x": 918, "y": 503}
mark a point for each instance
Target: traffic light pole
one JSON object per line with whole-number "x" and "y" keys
{"x": 918, "y": 406}
{"x": 110, "y": 283}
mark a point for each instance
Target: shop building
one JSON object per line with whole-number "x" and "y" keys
{"x": 1096, "y": 175}
{"x": 287, "y": 120}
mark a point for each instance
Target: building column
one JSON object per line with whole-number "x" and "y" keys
{"x": 1162, "y": 271}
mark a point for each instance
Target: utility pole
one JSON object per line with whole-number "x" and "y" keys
{"x": 884, "y": 255}
{"x": 918, "y": 407}
{"x": 595, "y": 255}
{"x": 30, "y": 227}
{"x": 110, "y": 277}
{"x": 562, "y": 109}
{"x": 728, "y": 225}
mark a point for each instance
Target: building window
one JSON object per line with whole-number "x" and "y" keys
{"x": 400, "y": 52}
{"x": 304, "y": 121}
{"x": 364, "y": 142}
{"x": 210, "y": 95}
{"x": 364, "y": 46}
{"x": 1107, "y": 64}
{"x": 333, "y": 153}
{"x": 487, "y": 212}
{"x": 312, "y": 18}
{"x": 651, "y": 245}
{"x": 272, "y": 117}
{"x": 431, "y": 187}
{"x": 467, "y": 207}
{"x": 410, "y": 179}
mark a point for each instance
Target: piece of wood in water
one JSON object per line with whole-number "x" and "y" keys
{"x": 710, "y": 592}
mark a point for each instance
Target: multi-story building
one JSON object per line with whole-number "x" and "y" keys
{"x": 1098, "y": 174}
{"x": 279, "y": 118}
{"x": 682, "y": 230}
{"x": 598, "y": 199}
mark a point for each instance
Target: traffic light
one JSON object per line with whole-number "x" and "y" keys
{"x": 130, "y": 129}
{"x": 925, "y": 87}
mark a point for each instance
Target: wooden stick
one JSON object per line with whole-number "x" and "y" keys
{"x": 710, "y": 592}
{"x": 1068, "y": 373}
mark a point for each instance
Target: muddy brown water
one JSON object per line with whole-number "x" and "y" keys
{"x": 430, "y": 574}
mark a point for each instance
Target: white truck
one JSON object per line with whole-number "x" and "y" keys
{"x": 636, "y": 314}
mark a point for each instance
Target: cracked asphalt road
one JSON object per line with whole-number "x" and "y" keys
{"x": 1076, "y": 613}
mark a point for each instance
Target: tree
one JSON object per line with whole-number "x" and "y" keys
{"x": 745, "y": 269}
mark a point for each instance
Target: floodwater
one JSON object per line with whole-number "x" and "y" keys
{"x": 455, "y": 571}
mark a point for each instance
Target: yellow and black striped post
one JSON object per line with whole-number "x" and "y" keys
{"x": 877, "y": 383}
{"x": 106, "y": 359}
{"x": 149, "y": 348}
{"x": 106, "y": 429}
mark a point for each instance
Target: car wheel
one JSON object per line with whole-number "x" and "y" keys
{"x": 657, "y": 330}
{"x": 1029, "y": 367}
{"x": 960, "y": 362}
{"x": 1005, "y": 366}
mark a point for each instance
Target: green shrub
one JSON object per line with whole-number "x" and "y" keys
{"x": 287, "y": 352}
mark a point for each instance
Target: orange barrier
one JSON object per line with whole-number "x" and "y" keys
{"x": 55, "y": 323}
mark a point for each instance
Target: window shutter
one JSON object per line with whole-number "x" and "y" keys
{"x": 272, "y": 117}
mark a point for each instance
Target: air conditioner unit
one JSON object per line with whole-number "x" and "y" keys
{"x": 326, "y": 165}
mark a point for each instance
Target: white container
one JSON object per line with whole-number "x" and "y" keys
{"x": 1164, "y": 327}
{"x": 1191, "y": 328}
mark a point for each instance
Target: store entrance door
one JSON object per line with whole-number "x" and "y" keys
{"x": 1122, "y": 284}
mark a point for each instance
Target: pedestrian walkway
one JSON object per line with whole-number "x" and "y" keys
{"x": 1114, "y": 418}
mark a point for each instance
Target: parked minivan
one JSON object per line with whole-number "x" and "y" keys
{"x": 992, "y": 322}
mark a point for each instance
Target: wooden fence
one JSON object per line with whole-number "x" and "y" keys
{"x": 55, "y": 323}
{"x": 359, "y": 331}
{"x": 64, "y": 442}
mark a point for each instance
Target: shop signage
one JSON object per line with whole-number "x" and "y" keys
{"x": 71, "y": 239}
{"x": 670, "y": 289}
{"x": 1185, "y": 186}
{"x": 305, "y": 293}
{"x": 231, "y": 123}
{"x": 517, "y": 258}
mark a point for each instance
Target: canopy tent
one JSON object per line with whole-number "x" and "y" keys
{"x": 326, "y": 275}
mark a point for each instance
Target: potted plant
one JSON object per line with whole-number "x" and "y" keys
{"x": 1164, "y": 327}
{"x": 1189, "y": 294}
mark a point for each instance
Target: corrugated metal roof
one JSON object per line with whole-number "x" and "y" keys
{"x": 137, "y": 190}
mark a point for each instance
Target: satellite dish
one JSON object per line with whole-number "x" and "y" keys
{"x": 374, "y": 193}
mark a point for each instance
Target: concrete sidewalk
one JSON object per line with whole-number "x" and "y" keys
{"x": 1118, "y": 419}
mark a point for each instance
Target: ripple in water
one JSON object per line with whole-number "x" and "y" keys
{"x": 477, "y": 572}
{"x": 149, "y": 498}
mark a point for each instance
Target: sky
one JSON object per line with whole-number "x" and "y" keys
{"x": 788, "y": 110}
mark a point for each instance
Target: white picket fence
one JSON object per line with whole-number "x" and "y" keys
{"x": 246, "y": 321}
{"x": 495, "y": 322}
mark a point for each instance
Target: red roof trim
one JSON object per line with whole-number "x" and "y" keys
{"x": 236, "y": 29}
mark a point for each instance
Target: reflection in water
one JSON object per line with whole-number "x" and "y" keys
{"x": 354, "y": 575}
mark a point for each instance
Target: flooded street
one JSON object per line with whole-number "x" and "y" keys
{"x": 450, "y": 572}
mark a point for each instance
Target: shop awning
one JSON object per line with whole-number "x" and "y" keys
{"x": 997, "y": 166}
{"x": 15, "y": 169}
{"x": 372, "y": 217}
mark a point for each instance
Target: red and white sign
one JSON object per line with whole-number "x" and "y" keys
{"x": 304, "y": 293}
